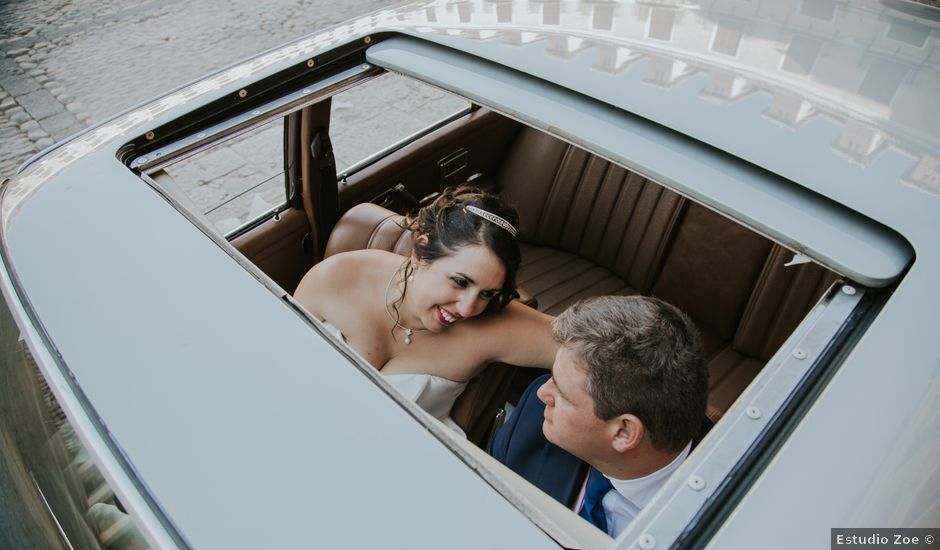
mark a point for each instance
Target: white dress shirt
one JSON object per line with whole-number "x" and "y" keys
{"x": 630, "y": 496}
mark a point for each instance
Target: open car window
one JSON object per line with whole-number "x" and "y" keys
{"x": 235, "y": 182}
{"x": 384, "y": 113}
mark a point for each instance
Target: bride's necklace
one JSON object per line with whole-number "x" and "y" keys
{"x": 407, "y": 330}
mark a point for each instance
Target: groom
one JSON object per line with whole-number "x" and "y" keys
{"x": 622, "y": 409}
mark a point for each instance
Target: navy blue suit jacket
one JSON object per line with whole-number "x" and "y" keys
{"x": 521, "y": 445}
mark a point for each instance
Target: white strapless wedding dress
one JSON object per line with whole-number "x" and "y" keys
{"x": 434, "y": 394}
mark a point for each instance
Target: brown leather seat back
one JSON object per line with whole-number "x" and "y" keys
{"x": 781, "y": 298}
{"x": 579, "y": 203}
{"x": 368, "y": 225}
{"x": 710, "y": 271}
{"x": 589, "y": 227}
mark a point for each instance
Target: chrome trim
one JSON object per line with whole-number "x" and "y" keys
{"x": 187, "y": 146}
{"x": 45, "y": 501}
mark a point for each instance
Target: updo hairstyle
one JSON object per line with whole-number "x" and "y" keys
{"x": 448, "y": 226}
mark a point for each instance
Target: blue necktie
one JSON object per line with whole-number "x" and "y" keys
{"x": 591, "y": 508}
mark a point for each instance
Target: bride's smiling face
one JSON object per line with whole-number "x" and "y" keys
{"x": 454, "y": 287}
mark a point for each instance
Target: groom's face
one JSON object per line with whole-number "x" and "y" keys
{"x": 570, "y": 421}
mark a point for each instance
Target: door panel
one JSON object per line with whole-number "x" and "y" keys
{"x": 277, "y": 247}
{"x": 483, "y": 134}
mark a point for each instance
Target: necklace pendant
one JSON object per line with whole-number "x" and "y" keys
{"x": 408, "y": 332}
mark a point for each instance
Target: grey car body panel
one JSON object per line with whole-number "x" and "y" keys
{"x": 859, "y": 127}
{"x": 854, "y": 140}
{"x": 246, "y": 426}
{"x": 833, "y": 235}
{"x": 866, "y": 454}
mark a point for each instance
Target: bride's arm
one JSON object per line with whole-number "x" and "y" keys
{"x": 521, "y": 335}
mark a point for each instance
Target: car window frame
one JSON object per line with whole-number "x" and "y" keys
{"x": 359, "y": 165}
{"x": 199, "y": 139}
{"x": 152, "y": 166}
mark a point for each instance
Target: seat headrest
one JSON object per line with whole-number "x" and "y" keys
{"x": 369, "y": 225}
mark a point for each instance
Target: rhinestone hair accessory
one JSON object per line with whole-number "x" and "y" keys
{"x": 492, "y": 218}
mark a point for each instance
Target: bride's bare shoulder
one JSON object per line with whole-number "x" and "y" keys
{"x": 356, "y": 262}
{"x": 344, "y": 270}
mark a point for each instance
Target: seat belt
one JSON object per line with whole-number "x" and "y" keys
{"x": 327, "y": 200}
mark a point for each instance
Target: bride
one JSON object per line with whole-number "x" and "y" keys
{"x": 433, "y": 320}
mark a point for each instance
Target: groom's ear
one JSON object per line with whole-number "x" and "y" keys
{"x": 627, "y": 431}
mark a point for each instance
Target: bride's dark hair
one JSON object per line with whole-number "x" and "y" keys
{"x": 448, "y": 225}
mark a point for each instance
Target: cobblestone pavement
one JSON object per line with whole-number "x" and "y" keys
{"x": 65, "y": 64}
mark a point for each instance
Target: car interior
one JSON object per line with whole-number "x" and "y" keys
{"x": 588, "y": 227}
